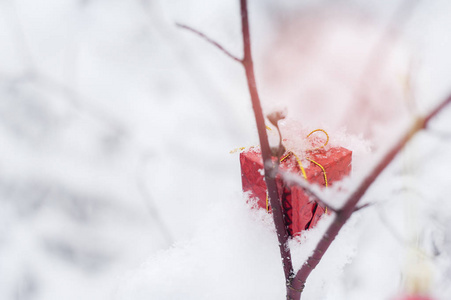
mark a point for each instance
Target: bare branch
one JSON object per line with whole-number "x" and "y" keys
{"x": 435, "y": 111}
{"x": 211, "y": 41}
{"x": 270, "y": 168}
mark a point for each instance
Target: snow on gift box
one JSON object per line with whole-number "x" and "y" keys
{"x": 318, "y": 165}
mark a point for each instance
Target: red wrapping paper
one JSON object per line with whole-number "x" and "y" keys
{"x": 300, "y": 213}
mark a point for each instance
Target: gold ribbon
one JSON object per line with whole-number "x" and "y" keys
{"x": 327, "y": 136}
{"x": 298, "y": 160}
{"x": 322, "y": 168}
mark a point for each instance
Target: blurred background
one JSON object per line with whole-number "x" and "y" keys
{"x": 116, "y": 126}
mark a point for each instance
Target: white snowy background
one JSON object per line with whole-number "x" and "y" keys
{"x": 116, "y": 180}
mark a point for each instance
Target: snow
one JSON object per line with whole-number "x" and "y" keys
{"x": 116, "y": 180}
{"x": 231, "y": 240}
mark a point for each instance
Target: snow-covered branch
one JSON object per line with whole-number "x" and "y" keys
{"x": 345, "y": 213}
{"x": 308, "y": 189}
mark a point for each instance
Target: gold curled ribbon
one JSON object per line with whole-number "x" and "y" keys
{"x": 327, "y": 136}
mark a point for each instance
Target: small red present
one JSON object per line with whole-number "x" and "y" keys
{"x": 319, "y": 166}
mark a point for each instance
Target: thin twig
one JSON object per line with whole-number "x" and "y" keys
{"x": 363, "y": 206}
{"x": 149, "y": 202}
{"x": 270, "y": 168}
{"x": 211, "y": 41}
{"x": 197, "y": 73}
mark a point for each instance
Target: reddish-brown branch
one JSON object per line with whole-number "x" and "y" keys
{"x": 211, "y": 41}
{"x": 434, "y": 112}
{"x": 270, "y": 168}
{"x": 343, "y": 215}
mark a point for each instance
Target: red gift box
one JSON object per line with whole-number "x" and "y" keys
{"x": 321, "y": 166}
